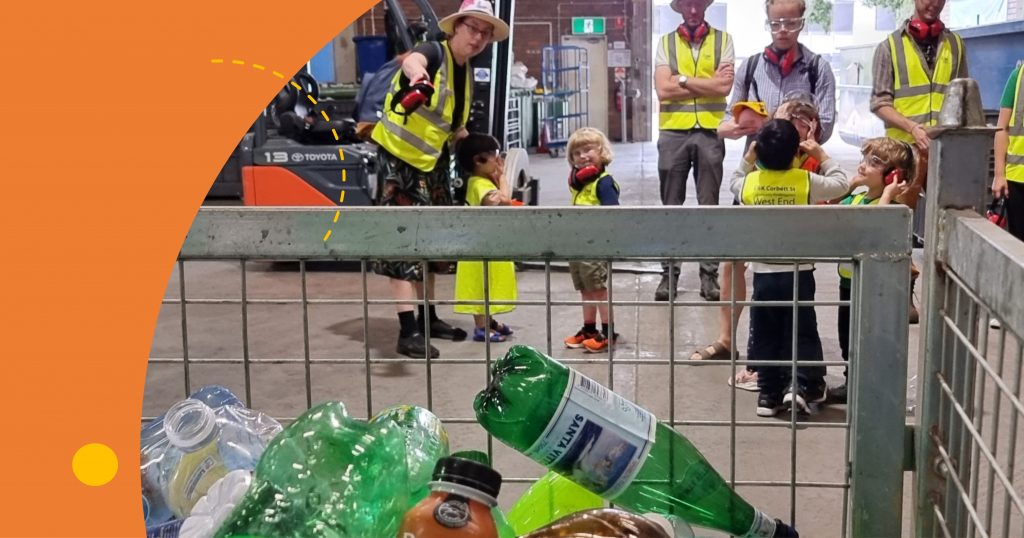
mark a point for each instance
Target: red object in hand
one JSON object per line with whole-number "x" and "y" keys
{"x": 515, "y": 203}
{"x": 587, "y": 173}
{"x": 997, "y": 212}
{"x": 419, "y": 93}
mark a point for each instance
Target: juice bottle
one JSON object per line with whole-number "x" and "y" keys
{"x": 459, "y": 505}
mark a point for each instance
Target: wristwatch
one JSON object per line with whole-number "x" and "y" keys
{"x": 683, "y": 79}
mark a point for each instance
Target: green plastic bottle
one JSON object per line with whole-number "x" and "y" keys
{"x": 550, "y": 498}
{"x": 609, "y": 445}
{"x": 326, "y": 475}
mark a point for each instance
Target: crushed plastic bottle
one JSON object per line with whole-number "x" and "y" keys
{"x": 153, "y": 445}
{"x": 550, "y": 498}
{"x": 202, "y": 450}
{"x": 326, "y": 475}
{"x": 609, "y": 445}
{"x": 426, "y": 442}
{"x": 602, "y": 523}
{"x": 211, "y": 510}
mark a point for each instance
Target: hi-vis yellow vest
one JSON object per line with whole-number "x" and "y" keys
{"x": 419, "y": 139}
{"x": 702, "y": 112}
{"x": 919, "y": 91}
{"x": 588, "y": 194}
{"x": 1015, "y": 151}
{"x": 776, "y": 187}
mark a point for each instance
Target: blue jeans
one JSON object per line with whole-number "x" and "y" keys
{"x": 771, "y": 332}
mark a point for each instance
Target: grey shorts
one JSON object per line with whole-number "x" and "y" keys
{"x": 589, "y": 276}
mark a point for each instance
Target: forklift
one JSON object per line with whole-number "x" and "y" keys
{"x": 303, "y": 149}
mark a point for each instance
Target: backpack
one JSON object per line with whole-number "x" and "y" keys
{"x": 812, "y": 74}
{"x": 375, "y": 87}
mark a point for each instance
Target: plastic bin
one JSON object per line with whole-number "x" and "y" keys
{"x": 371, "y": 53}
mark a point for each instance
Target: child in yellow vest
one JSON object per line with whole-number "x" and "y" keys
{"x": 887, "y": 167}
{"x": 776, "y": 181}
{"x": 478, "y": 156}
{"x": 589, "y": 153}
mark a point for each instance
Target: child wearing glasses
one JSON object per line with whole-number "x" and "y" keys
{"x": 884, "y": 172}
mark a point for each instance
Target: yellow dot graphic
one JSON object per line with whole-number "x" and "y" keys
{"x": 95, "y": 464}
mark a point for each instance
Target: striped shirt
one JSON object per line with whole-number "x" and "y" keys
{"x": 772, "y": 87}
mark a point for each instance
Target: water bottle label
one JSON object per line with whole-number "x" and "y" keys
{"x": 762, "y": 527}
{"x": 596, "y": 437}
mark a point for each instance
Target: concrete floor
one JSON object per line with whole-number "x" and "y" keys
{"x": 336, "y": 331}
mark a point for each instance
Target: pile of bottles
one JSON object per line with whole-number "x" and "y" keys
{"x": 331, "y": 475}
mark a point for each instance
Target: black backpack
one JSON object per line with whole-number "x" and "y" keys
{"x": 812, "y": 74}
{"x": 375, "y": 87}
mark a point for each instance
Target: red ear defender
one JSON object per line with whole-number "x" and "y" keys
{"x": 698, "y": 34}
{"x": 785, "y": 63}
{"x": 922, "y": 30}
{"x": 892, "y": 176}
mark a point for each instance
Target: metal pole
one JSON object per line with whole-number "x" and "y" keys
{"x": 955, "y": 181}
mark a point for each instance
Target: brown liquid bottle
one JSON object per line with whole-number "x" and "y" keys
{"x": 459, "y": 505}
{"x": 601, "y": 523}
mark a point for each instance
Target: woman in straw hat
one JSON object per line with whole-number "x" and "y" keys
{"x": 414, "y": 153}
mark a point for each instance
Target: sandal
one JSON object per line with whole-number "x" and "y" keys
{"x": 500, "y": 328}
{"x": 714, "y": 352}
{"x": 744, "y": 380}
{"x": 479, "y": 335}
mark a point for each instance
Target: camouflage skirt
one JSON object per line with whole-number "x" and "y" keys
{"x": 407, "y": 186}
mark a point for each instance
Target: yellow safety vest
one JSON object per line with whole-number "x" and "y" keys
{"x": 701, "y": 112}
{"x": 419, "y": 139}
{"x": 1015, "y": 150}
{"x": 918, "y": 91}
{"x": 845, "y": 268}
{"x": 478, "y": 186}
{"x": 588, "y": 194}
{"x": 776, "y": 187}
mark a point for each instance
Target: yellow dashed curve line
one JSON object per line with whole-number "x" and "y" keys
{"x": 341, "y": 152}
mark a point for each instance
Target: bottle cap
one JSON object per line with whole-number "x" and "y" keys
{"x": 468, "y": 473}
{"x": 189, "y": 423}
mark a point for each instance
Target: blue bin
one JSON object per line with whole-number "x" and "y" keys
{"x": 371, "y": 53}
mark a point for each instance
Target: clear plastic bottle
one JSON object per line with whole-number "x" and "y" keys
{"x": 202, "y": 450}
{"x": 602, "y": 523}
{"x": 153, "y": 445}
{"x": 459, "y": 505}
{"x": 609, "y": 445}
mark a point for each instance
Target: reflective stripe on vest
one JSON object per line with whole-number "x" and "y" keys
{"x": 419, "y": 138}
{"x": 917, "y": 91}
{"x": 588, "y": 194}
{"x": 701, "y": 112}
{"x": 846, "y": 269}
{"x": 776, "y": 187}
{"x": 1015, "y": 149}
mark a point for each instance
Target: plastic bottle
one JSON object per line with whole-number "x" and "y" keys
{"x": 573, "y": 425}
{"x": 462, "y": 495}
{"x": 548, "y": 499}
{"x": 505, "y": 529}
{"x": 602, "y": 523}
{"x": 153, "y": 444}
{"x": 211, "y": 510}
{"x": 326, "y": 475}
{"x": 426, "y": 442}
{"x": 206, "y": 449}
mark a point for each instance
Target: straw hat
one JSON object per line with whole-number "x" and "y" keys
{"x": 477, "y": 9}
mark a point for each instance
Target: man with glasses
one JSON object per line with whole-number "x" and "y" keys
{"x": 692, "y": 77}
{"x": 414, "y": 150}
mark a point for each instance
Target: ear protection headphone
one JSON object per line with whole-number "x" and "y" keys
{"x": 579, "y": 178}
{"x": 785, "y": 63}
{"x": 698, "y": 34}
{"x": 893, "y": 174}
{"x": 921, "y": 30}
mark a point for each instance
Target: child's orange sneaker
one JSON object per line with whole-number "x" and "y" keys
{"x": 599, "y": 343}
{"x": 577, "y": 340}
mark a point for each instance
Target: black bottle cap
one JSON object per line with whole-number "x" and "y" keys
{"x": 468, "y": 473}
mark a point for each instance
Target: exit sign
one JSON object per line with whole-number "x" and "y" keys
{"x": 587, "y": 25}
